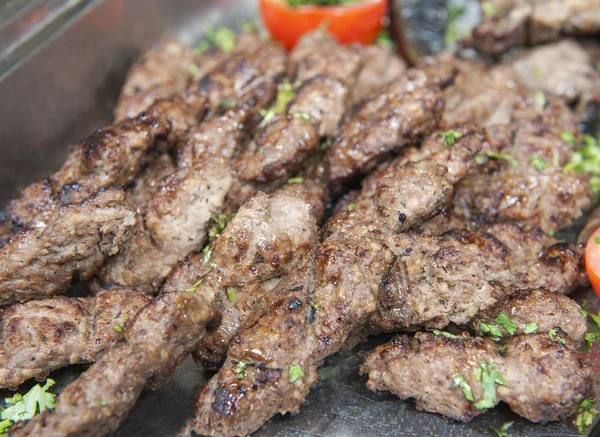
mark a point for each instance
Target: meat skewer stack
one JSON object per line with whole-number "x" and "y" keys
{"x": 451, "y": 228}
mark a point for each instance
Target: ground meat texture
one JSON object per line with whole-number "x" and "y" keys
{"x": 311, "y": 320}
{"x": 381, "y": 66}
{"x": 550, "y": 199}
{"x": 518, "y": 22}
{"x": 40, "y": 336}
{"x": 546, "y": 309}
{"x": 111, "y": 156}
{"x": 160, "y": 72}
{"x": 41, "y": 262}
{"x": 383, "y": 124}
{"x": 563, "y": 68}
{"x": 174, "y": 226}
{"x": 545, "y": 380}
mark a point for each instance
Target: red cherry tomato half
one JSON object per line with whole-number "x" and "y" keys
{"x": 592, "y": 260}
{"x": 356, "y": 22}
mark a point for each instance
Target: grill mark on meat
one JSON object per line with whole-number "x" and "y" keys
{"x": 166, "y": 331}
{"x": 110, "y": 156}
{"x": 40, "y": 336}
{"x": 41, "y": 262}
{"x": 545, "y": 380}
{"x": 399, "y": 116}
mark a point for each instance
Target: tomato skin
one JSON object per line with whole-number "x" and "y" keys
{"x": 358, "y": 22}
{"x": 592, "y": 261}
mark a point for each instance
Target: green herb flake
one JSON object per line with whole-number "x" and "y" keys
{"x": 480, "y": 159}
{"x": 531, "y": 328}
{"x": 24, "y": 407}
{"x": 222, "y": 37}
{"x": 506, "y": 323}
{"x": 538, "y": 162}
{"x": 248, "y": 26}
{"x": 231, "y": 294}
{"x": 502, "y": 156}
{"x": 538, "y": 72}
{"x": 596, "y": 318}
{"x": 384, "y": 38}
{"x": 194, "y": 70}
{"x": 461, "y": 382}
{"x": 202, "y": 47}
{"x": 351, "y": 207}
{"x": 553, "y": 333}
{"x": 489, "y": 378}
{"x": 220, "y": 221}
{"x": 568, "y": 137}
{"x": 126, "y": 317}
{"x": 193, "y": 287}
{"x": 501, "y": 347}
{"x": 490, "y": 329}
{"x": 591, "y": 337}
{"x": 325, "y": 143}
{"x": 303, "y": 115}
{"x": 597, "y": 239}
{"x": 240, "y": 370}
{"x": 503, "y": 430}
{"x": 297, "y": 180}
{"x": 539, "y": 99}
{"x": 295, "y": 373}
{"x": 489, "y": 9}
{"x": 586, "y": 414}
{"x": 285, "y": 93}
{"x": 207, "y": 251}
{"x": 584, "y": 308}
{"x": 449, "y": 335}
{"x": 453, "y": 31}
{"x": 118, "y": 329}
{"x": 450, "y": 137}
{"x": 551, "y": 232}
{"x": 315, "y": 305}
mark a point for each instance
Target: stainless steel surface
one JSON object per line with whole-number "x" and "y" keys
{"x": 67, "y": 88}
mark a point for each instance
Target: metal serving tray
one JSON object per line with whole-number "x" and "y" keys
{"x": 59, "y": 80}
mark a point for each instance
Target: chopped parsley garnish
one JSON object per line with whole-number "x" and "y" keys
{"x": 207, "y": 251}
{"x": 596, "y": 318}
{"x": 222, "y": 37}
{"x": 248, "y": 26}
{"x": 453, "y": 31}
{"x": 597, "y": 239}
{"x": 303, "y": 115}
{"x": 193, "y": 70}
{"x": 231, "y": 294}
{"x": 295, "y": 373}
{"x": 118, "y": 329}
{"x": 449, "y": 335}
{"x": 568, "y": 137}
{"x": 539, "y": 99}
{"x": 384, "y": 38}
{"x": 285, "y": 93}
{"x": 461, "y": 382}
{"x": 221, "y": 221}
{"x": 506, "y": 323}
{"x": 126, "y": 317}
{"x": 537, "y": 72}
{"x": 490, "y": 329}
{"x": 315, "y": 305}
{"x": 489, "y": 279}
{"x": 587, "y": 160}
{"x": 488, "y": 8}
{"x": 297, "y": 180}
{"x": 551, "y": 232}
{"x": 586, "y": 414}
{"x": 531, "y": 328}
{"x": 351, "y": 207}
{"x": 24, "y": 407}
{"x": 240, "y": 370}
{"x": 489, "y": 377}
{"x": 503, "y": 430}
{"x": 325, "y": 143}
{"x": 502, "y": 156}
{"x": 552, "y": 333}
{"x": 193, "y": 287}
{"x": 450, "y": 136}
{"x": 480, "y": 159}
{"x": 584, "y": 308}
{"x": 591, "y": 337}
{"x": 538, "y": 162}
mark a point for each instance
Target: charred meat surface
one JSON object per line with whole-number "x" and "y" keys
{"x": 40, "y": 336}
{"x": 539, "y": 378}
{"x": 41, "y": 262}
{"x": 539, "y": 310}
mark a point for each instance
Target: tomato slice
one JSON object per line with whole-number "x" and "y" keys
{"x": 592, "y": 260}
{"x": 356, "y": 22}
